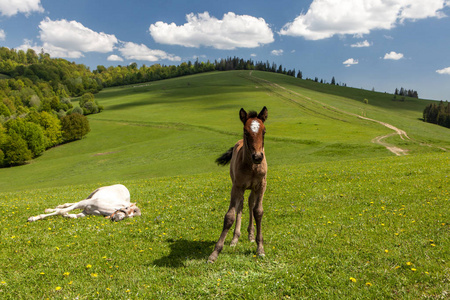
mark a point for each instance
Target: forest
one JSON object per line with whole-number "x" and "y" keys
{"x": 437, "y": 114}
{"x": 36, "y": 112}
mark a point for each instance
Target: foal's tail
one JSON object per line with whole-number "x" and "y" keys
{"x": 225, "y": 158}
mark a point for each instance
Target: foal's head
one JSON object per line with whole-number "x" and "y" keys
{"x": 254, "y": 131}
{"x": 127, "y": 212}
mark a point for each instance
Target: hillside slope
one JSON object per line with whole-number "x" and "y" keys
{"x": 179, "y": 126}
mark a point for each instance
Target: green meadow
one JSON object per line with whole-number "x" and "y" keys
{"x": 345, "y": 218}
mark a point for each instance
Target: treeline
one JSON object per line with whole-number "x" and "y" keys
{"x": 36, "y": 111}
{"x": 405, "y": 92}
{"x": 437, "y": 114}
{"x": 132, "y": 74}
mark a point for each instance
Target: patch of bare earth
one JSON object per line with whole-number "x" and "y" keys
{"x": 104, "y": 153}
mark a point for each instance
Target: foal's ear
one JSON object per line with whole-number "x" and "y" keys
{"x": 243, "y": 115}
{"x": 263, "y": 114}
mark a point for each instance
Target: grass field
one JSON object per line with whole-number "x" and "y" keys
{"x": 344, "y": 217}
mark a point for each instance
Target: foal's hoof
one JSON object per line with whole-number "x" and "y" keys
{"x": 251, "y": 238}
{"x": 212, "y": 258}
{"x": 261, "y": 253}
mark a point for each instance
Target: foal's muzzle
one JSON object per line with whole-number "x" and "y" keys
{"x": 257, "y": 158}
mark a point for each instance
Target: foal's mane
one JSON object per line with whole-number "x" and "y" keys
{"x": 252, "y": 114}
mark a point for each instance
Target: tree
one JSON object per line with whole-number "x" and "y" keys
{"x": 15, "y": 150}
{"x": 3, "y": 137}
{"x": 74, "y": 127}
{"x": 89, "y": 104}
{"x": 30, "y": 132}
{"x": 333, "y": 81}
{"x": 51, "y": 126}
{"x": 4, "y": 111}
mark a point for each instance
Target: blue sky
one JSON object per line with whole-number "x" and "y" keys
{"x": 380, "y": 44}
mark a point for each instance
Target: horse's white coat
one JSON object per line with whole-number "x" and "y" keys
{"x": 111, "y": 201}
{"x": 254, "y": 126}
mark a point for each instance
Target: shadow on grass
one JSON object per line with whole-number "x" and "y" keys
{"x": 183, "y": 250}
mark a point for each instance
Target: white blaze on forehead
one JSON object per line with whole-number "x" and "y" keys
{"x": 254, "y": 126}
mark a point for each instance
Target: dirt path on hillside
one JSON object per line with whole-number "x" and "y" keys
{"x": 377, "y": 140}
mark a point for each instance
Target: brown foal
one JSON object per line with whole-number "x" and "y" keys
{"x": 248, "y": 169}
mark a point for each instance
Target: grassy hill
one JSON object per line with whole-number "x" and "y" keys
{"x": 344, "y": 216}
{"x": 179, "y": 126}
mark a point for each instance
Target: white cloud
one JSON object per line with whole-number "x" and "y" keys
{"x": 444, "y": 71}
{"x": 393, "y": 55}
{"x": 12, "y": 7}
{"x": 2, "y": 35}
{"x": 421, "y": 9}
{"x": 349, "y": 62}
{"x": 50, "y": 49}
{"x": 326, "y": 18}
{"x": 361, "y": 44}
{"x": 141, "y": 52}
{"x": 253, "y": 55}
{"x": 233, "y": 31}
{"x": 278, "y": 52}
{"x": 73, "y": 36}
{"x": 70, "y": 39}
{"x": 114, "y": 57}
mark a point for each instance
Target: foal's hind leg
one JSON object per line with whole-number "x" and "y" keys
{"x": 49, "y": 210}
{"x": 258, "y": 213}
{"x": 237, "y": 196}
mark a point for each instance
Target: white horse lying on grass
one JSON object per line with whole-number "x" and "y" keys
{"x": 110, "y": 201}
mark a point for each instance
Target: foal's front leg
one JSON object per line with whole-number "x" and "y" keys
{"x": 258, "y": 214}
{"x": 251, "y": 204}
{"x": 237, "y": 228}
{"x": 237, "y": 197}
